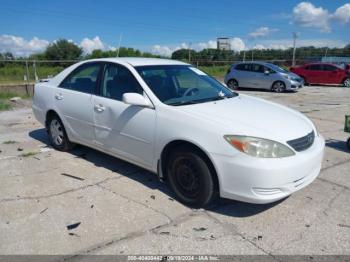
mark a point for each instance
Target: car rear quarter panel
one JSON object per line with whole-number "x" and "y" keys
{"x": 43, "y": 101}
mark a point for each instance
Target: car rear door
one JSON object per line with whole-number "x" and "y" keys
{"x": 125, "y": 130}
{"x": 73, "y": 100}
{"x": 314, "y": 73}
{"x": 243, "y": 75}
{"x": 332, "y": 74}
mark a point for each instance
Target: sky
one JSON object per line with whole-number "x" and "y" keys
{"x": 161, "y": 26}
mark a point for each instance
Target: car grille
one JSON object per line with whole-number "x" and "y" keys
{"x": 302, "y": 143}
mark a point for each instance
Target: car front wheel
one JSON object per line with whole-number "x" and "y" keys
{"x": 346, "y": 82}
{"x": 232, "y": 84}
{"x": 191, "y": 178}
{"x": 278, "y": 87}
{"x": 57, "y": 134}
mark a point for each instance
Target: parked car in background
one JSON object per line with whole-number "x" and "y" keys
{"x": 263, "y": 76}
{"x": 176, "y": 121}
{"x": 323, "y": 73}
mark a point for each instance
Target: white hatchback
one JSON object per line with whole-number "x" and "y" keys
{"x": 173, "y": 119}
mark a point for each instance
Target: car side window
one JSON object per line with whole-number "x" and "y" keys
{"x": 118, "y": 80}
{"x": 314, "y": 67}
{"x": 243, "y": 67}
{"x": 329, "y": 68}
{"x": 257, "y": 68}
{"x": 82, "y": 79}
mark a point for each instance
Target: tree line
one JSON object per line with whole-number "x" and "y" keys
{"x": 63, "y": 49}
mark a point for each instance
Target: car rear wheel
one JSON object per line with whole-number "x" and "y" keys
{"x": 57, "y": 134}
{"x": 191, "y": 178}
{"x": 278, "y": 87}
{"x": 346, "y": 82}
{"x": 232, "y": 84}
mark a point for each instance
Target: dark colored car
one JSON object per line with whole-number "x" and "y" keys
{"x": 323, "y": 73}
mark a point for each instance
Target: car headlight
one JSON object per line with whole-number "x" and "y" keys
{"x": 259, "y": 147}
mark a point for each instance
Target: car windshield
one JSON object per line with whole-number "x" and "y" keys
{"x": 182, "y": 85}
{"x": 277, "y": 68}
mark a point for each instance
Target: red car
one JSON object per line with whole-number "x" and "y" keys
{"x": 323, "y": 73}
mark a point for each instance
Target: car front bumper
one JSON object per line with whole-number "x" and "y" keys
{"x": 294, "y": 85}
{"x": 262, "y": 180}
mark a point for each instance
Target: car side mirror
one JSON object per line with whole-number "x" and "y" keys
{"x": 136, "y": 100}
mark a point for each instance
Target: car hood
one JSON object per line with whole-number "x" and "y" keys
{"x": 292, "y": 75}
{"x": 250, "y": 116}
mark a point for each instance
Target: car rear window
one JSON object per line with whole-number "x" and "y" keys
{"x": 243, "y": 67}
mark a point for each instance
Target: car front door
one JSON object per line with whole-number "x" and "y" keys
{"x": 332, "y": 74}
{"x": 259, "y": 79}
{"x": 123, "y": 129}
{"x": 73, "y": 99}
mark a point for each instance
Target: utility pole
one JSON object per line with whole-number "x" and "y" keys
{"x": 189, "y": 52}
{"x": 120, "y": 40}
{"x": 294, "y": 47}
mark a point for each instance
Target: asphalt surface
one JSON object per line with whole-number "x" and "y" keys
{"x": 86, "y": 202}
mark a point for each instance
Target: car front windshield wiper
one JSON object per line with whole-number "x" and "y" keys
{"x": 191, "y": 102}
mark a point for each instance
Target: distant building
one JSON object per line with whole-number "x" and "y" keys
{"x": 223, "y": 43}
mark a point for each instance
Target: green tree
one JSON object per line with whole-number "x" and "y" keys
{"x": 62, "y": 49}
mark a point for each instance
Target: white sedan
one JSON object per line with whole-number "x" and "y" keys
{"x": 174, "y": 120}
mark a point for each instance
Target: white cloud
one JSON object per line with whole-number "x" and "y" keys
{"x": 287, "y": 43}
{"x": 237, "y": 44}
{"x": 342, "y": 14}
{"x": 21, "y": 47}
{"x": 90, "y": 45}
{"x": 307, "y": 15}
{"x": 262, "y": 31}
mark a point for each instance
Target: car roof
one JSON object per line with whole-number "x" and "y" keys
{"x": 255, "y": 62}
{"x": 139, "y": 61}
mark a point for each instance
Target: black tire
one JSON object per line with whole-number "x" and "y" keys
{"x": 55, "y": 129}
{"x": 278, "y": 87}
{"x": 346, "y": 82}
{"x": 191, "y": 178}
{"x": 233, "y": 84}
{"x": 348, "y": 142}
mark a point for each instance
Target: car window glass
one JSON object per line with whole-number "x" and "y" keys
{"x": 329, "y": 68}
{"x": 118, "y": 80}
{"x": 257, "y": 68}
{"x": 314, "y": 67}
{"x": 243, "y": 67}
{"x": 83, "y": 79}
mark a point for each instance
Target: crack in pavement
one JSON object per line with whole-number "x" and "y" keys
{"x": 137, "y": 202}
{"x": 243, "y": 237}
{"x": 132, "y": 235}
{"x": 58, "y": 194}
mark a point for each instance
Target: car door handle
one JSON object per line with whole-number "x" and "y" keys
{"x": 99, "y": 108}
{"x": 59, "y": 97}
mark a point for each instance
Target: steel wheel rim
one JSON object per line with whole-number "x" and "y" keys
{"x": 278, "y": 87}
{"x": 347, "y": 82}
{"x": 187, "y": 178}
{"x": 232, "y": 84}
{"x": 56, "y": 132}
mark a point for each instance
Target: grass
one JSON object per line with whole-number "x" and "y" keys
{"x": 4, "y": 105}
{"x": 14, "y": 73}
{"x": 8, "y": 142}
{"x": 28, "y": 154}
{"x": 217, "y": 71}
{"x": 5, "y": 97}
